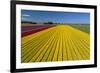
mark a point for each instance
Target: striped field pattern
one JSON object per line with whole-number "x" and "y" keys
{"x": 58, "y": 43}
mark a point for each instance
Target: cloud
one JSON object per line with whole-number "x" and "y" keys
{"x": 25, "y": 15}
{"x": 23, "y": 18}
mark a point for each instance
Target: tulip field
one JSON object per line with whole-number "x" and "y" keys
{"x": 54, "y": 43}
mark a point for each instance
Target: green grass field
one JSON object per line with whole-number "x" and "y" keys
{"x": 82, "y": 27}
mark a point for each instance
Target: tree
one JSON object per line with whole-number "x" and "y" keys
{"x": 50, "y": 22}
{"x": 34, "y": 23}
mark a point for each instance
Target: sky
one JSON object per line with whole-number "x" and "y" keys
{"x": 55, "y": 16}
